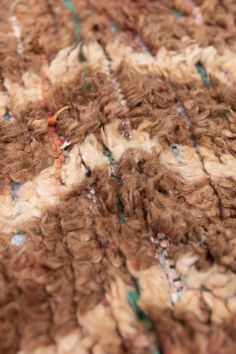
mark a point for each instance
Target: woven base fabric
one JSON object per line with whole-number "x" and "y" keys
{"x": 117, "y": 177}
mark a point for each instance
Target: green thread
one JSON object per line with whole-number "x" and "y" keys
{"x": 167, "y": 257}
{"x": 86, "y": 72}
{"x": 204, "y": 288}
{"x": 164, "y": 238}
{"x": 108, "y": 154}
{"x": 157, "y": 351}
{"x": 178, "y": 14}
{"x": 77, "y": 28}
{"x": 89, "y": 86}
{"x": 115, "y": 26}
{"x": 133, "y": 297}
{"x": 71, "y": 7}
{"x": 137, "y": 286}
{"x": 203, "y": 73}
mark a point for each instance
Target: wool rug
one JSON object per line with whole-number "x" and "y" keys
{"x": 117, "y": 177}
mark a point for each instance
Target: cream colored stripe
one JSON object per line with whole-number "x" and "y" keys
{"x": 97, "y": 59}
{"x": 42, "y": 192}
{"x": 61, "y": 70}
{"x": 179, "y": 66}
{"x": 210, "y": 293}
{"x": 17, "y": 33}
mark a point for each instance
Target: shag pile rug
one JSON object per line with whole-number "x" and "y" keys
{"x": 117, "y": 177}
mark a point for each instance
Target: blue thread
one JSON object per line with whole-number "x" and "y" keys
{"x": 19, "y": 239}
{"x": 175, "y": 150}
{"x": 15, "y": 188}
{"x": 7, "y": 115}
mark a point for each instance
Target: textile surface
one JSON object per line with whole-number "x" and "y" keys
{"x": 117, "y": 177}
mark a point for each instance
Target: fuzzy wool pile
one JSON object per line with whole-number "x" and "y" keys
{"x": 117, "y": 177}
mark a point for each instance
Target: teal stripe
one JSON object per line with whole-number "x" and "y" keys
{"x": 203, "y": 73}
{"x": 133, "y": 297}
{"x": 177, "y": 13}
{"x": 71, "y": 7}
{"x": 86, "y": 72}
{"x": 109, "y": 156}
{"x": 157, "y": 351}
{"x": 77, "y": 28}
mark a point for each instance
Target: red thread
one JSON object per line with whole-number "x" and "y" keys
{"x": 57, "y": 142}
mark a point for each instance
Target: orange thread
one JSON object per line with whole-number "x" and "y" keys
{"x": 57, "y": 142}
